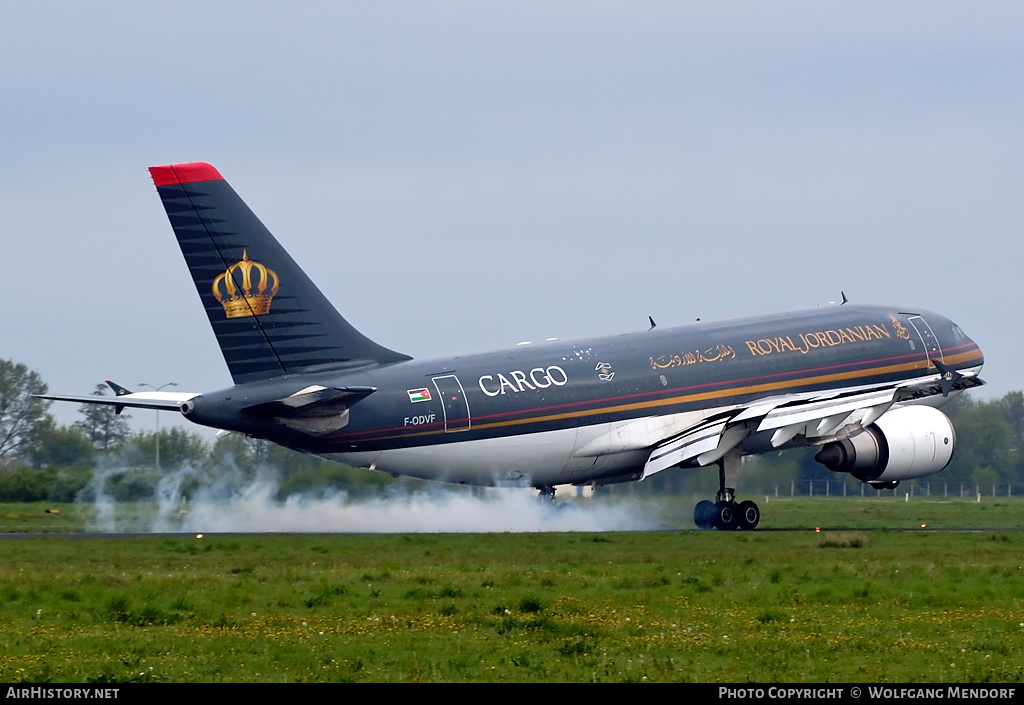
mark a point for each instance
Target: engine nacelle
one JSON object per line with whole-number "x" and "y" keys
{"x": 902, "y": 444}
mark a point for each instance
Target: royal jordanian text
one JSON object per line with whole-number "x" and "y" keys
{"x": 817, "y": 339}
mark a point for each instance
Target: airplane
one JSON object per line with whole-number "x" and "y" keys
{"x": 862, "y": 382}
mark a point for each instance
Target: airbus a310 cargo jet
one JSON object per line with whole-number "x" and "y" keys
{"x": 862, "y": 382}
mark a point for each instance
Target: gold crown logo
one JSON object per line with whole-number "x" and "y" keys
{"x": 240, "y": 303}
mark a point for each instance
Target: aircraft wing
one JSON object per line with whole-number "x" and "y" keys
{"x": 817, "y": 416}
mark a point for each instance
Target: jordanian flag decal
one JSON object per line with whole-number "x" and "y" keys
{"x": 416, "y": 395}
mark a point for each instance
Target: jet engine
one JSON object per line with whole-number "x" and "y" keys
{"x": 902, "y": 444}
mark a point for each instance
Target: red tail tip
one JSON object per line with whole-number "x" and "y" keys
{"x": 184, "y": 173}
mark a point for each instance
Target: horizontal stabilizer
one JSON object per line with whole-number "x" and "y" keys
{"x": 315, "y": 400}
{"x": 166, "y": 401}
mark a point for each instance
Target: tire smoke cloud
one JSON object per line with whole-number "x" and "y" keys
{"x": 225, "y": 499}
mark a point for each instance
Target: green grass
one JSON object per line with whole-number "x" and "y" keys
{"x": 797, "y": 606}
{"x": 888, "y": 512}
{"x": 40, "y": 517}
{"x": 673, "y": 513}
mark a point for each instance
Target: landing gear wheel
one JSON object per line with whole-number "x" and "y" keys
{"x": 725, "y": 516}
{"x": 704, "y": 515}
{"x": 748, "y": 515}
{"x": 547, "y": 495}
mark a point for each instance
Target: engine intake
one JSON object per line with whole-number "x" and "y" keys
{"x": 903, "y": 444}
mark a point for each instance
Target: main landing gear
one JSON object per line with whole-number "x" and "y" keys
{"x": 547, "y": 494}
{"x": 724, "y": 513}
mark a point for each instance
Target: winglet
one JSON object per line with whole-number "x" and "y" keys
{"x": 120, "y": 392}
{"x": 192, "y": 172}
{"x": 948, "y": 379}
{"x": 118, "y": 389}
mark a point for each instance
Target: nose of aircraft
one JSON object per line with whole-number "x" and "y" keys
{"x": 962, "y": 353}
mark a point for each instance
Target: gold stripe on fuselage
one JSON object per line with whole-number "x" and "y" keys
{"x": 705, "y": 396}
{"x": 951, "y": 360}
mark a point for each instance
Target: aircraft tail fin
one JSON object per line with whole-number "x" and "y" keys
{"x": 269, "y": 318}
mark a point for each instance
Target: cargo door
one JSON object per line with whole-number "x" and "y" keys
{"x": 454, "y": 403}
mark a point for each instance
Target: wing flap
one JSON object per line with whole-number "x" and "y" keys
{"x": 641, "y": 433}
{"x": 826, "y": 410}
{"x": 815, "y": 415}
{"x": 701, "y": 439}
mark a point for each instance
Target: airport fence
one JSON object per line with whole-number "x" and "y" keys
{"x": 915, "y": 488}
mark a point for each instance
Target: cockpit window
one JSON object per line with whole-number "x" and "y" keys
{"x": 958, "y": 333}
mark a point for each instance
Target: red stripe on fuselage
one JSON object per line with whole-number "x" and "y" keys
{"x": 600, "y": 405}
{"x": 173, "y": 174}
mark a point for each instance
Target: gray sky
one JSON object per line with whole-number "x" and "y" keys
{"x": 461, "y": 176}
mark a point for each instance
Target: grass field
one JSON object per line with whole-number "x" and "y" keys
{"x": 676, "y": 513}
{"x": 857, "y": 604}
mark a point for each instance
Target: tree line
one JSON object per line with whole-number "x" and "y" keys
{"x": 43, "y": 460}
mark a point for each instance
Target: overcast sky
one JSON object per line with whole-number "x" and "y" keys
{"x": 461, "y": 176}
